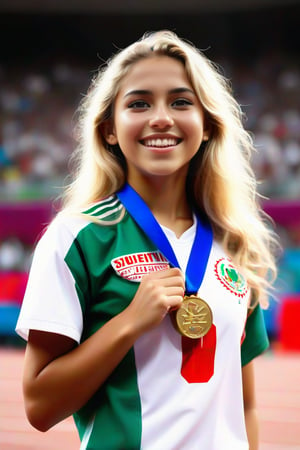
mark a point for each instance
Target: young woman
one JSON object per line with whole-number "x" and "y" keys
{"x": 142, "y": 311}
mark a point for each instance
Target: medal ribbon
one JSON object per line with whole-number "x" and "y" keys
{"x": 202, "y": 244}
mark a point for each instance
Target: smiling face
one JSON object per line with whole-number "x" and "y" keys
{"x": 158, "y": 120}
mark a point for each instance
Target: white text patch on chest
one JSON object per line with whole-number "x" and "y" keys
{"x": 135, "y": 265}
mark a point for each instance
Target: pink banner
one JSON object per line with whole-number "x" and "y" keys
{"x": 28, "y": 220}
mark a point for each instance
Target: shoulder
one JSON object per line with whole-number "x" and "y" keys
{"x": 59, "y": 235}
{"x": 69, "y": 224}
{"x": 106, "y": 210}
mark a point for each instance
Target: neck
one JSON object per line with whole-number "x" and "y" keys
{"x": 167, "y": 200}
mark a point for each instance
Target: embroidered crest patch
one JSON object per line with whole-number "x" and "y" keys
{"x": 230, "y": 278}
{"x": 135, "y": 265}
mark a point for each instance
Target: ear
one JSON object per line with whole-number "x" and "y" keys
{"x": 108, "y": 132}
{"x": 206, "y": 132}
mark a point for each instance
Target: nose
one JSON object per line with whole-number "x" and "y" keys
{"x": 161, "y": 118}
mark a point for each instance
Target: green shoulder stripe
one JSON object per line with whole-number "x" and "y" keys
{"x": 107, "y": 209}
{"x": 256, "y": 340}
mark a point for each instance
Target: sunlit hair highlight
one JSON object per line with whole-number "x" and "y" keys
{"x": 220, "y": 180}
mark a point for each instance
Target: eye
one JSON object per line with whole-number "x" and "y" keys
{"x": 182, "y": 102}
{"x": 138, "y": 104}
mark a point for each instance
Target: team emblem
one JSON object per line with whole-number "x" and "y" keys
{"x": 135, "y": 265}
{"x": 230, "y": 278}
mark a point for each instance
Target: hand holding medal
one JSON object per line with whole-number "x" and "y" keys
{"x": 193, "y": 318}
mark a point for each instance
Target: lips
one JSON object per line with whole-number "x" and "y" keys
{"x": 161, "y": 142}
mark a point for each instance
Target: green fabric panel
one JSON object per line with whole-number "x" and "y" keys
{"x": 104, "y": 294}
{"x": 256, "y": 340}
{"x": 117, "y": 411}
{"x": 76, "y": 262}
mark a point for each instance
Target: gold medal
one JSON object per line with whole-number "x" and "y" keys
{"x": 194, "y": 317}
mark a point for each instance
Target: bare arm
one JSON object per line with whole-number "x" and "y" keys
{"x": 56, "y": 367}
{"x": 250, "y": 406}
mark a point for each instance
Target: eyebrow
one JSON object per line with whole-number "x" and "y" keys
{"x": 179, "y": 90}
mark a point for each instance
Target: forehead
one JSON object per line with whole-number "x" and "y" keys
{"x": 154, "y": 72}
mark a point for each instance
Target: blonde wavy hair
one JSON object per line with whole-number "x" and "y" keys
{"x": 220, "y": 180}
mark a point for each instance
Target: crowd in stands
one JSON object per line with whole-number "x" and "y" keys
{"x": 37, "y": 109}
{"x": 269, "y": 93}
{"x": 36, "y": 132}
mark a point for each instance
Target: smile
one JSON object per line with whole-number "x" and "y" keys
{"x": 160, "y": 143}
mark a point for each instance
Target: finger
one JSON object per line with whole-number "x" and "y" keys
{"x": 174, "y": 278}
{"x": 175, "y": 300}
{"x": 173, "y": 290}
{"x": 167, "y": 273}
{"x": 174, "y": 303}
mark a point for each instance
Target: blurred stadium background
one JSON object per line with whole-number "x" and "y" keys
{"x": 50, "y": 49}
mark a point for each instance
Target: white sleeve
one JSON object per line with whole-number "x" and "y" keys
{"x": 51, "y": 302}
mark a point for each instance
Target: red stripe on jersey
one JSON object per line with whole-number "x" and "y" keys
{"x": 198, "y": 357}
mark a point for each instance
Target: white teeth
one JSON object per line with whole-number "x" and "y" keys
{"x": 166, "y": 142}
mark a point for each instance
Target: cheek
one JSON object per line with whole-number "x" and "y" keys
{"x": 128, "y": 125}
{"x": 196, "y": 127}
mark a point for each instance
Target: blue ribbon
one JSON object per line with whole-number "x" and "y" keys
{"x": 202, "y": 244}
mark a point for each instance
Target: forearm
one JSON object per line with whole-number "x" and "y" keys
{"x": 65, "y": 384}
{"x": 250, "y": 410}
{"x": 251, "y": 420}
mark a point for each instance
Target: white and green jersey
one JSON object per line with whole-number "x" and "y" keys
{"x": 169, "y": 392}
